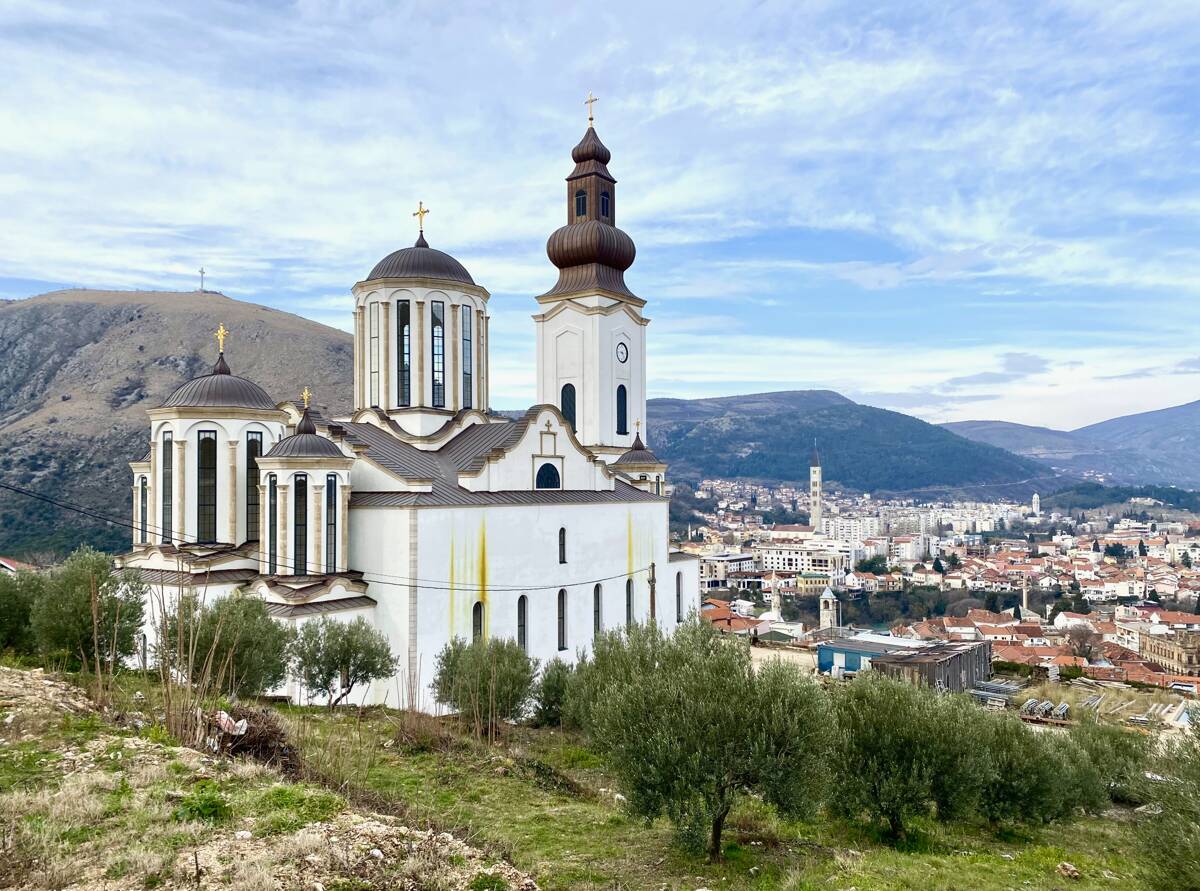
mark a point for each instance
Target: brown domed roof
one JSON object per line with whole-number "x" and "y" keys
{"x": 638, "y": 453}
{"x": 421, "y": 261}
{"x": 591, "y": 242}
{"x": 305, "y": 443}
{"x": 220, "y": 389}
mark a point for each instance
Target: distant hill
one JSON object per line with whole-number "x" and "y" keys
{"x": 1154, "y": 447}
{"x": 81, "y": 367}
{"x": 769, "y": 437}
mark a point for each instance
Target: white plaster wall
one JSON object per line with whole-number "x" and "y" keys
{"x": 518, "y": 468}
{"x": 316, "y": 525}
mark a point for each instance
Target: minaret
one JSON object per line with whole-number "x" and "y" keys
{"x": 591, "y": 335}
{"x": 814, "y": 490}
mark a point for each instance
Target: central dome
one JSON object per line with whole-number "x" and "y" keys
{"x": 221, "y": 389}
{"x": 421, "y": 261}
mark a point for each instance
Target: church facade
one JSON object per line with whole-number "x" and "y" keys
{"x": 422, "y": 511}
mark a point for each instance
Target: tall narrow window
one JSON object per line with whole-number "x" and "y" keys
{"x": 562, "y": 618}
{"x": 438, "y": 347}
{"x": 605, "y": 206}
{"x": 373, "y": 350}
{"x": 143, "y": 507}
{"x": 206, "y": 487}
{"x": 272, "y": 524}
{"x": 567, "y": 404}
{"x": 562, "y": 545}
{"x": 547, "y": 477}
{"x": 404, "y": 352}
{"x": 581, "y": 203}
{"x": 254, "y": 444}
{"x": 622, "y": 410}
{"x": 597, "y": 611}
{"x": 167, "y": 481}
{"x": 331, "y": 518}
{"x": 628, "y": 602}
{"x": 300, "y": 523}
{"x": 477, "y": 621}
{"x": 678, "y": 597}
{"x": 467, "y": 357}
{"x": 522, "y": 618}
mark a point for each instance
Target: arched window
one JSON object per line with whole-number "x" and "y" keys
{"x": 597, "y": 611}
{"x": 622, "y": 410}
{"x": 628, "y": 602}
{"x": 166, "y": 480}
{"x": 206, "y": 486}
{"x": 605, "y": 206}
{"x": 404, "y": 351}
{"x": 143, "y": 507}
{"x": 562, "y": 545}
{"x": 331, "y": 518}
{"x": 300, "y": 523}
{"x": 272, "y": 524}
{"x": 562, "y": 618}
{"x": 567, "y": 404}
{"x": 658, "y": 485}
{"x": 678, "y": 597}
{"x": 547, "y": 477}
{"x": 581, "y": 203}
{"x": 477, "y": 621}
{"x": 254, "y": 450}
{"x": 522, "y": 618}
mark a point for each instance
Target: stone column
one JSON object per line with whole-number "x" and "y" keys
{"x": 282, "y": 550}
{"x": 137, "y": 509}
{"x": 385, "y": 355}
{"x": 231, "y": 518}
{"x": 484, "y": 383}
{"x": 343, "y": 557}
{"x": 455, "y": 367}
{"x": 318, "y": 529}
{"x": 264, "y": 530}
{"x": 419, "y": 324}
{"x": 179, "y": 478}
{"x": 151, "y": 502}
{"x": 359, "y": 356}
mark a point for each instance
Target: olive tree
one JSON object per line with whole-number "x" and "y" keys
{"x": 329, "y": 656}
{"x": 1166, "y": 835}
{"x": 487, "y": 681}
{"x": 702, "y": 727}
{"x": 18, "y": 593}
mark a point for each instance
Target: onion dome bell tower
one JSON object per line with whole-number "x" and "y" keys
{"x": 591, "y": 341}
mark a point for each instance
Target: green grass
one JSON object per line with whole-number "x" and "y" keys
{"x": 286, "y": 808}
{"x": 538, "y": 800}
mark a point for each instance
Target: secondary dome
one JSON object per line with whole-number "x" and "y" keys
{"x": 638, "y": 454}
{"x": 421, "y": 261}
{"x": 305, "y": 443}
{"x": 220, "y": 389}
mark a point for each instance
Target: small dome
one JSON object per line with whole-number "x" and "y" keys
{"x": 592, "y": 242}
{"x": 305, "y": 443}
{"x": 421, "y": 261}
{"x": 220, "y": 389}
{"x": 590, "y": 148}
{"x": 638, "y": 453}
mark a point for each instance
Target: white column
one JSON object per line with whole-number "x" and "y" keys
{"x": 151, "y": 503}
{"x": 137, "y": 509}
{"x": 360, "y": 349}
{"x": 318, "y": 563}
{"x": 179, "y": 479}
{"x": 264, "y": 530}
{"x": 343, "y": 561}
{"x": 281, "y": 495}
{"x": 455, "y": 367}
{"x": 420, "y": 347}
{"x": 485, "y": 363}
{"x": 231, "y": 517}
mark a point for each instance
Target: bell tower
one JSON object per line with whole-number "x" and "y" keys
{"x": 591, "y": 334}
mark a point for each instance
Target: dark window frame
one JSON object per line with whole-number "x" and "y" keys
{"x": 254, "y": 450}
{"x": 597, "y": 610}
{"x": 678, "y": 597}
{"x": 562, "y": 619}
{"x": 562, "y": 544}
{"x": 300, "y": 524}
{"x": 404, "y": 352}
{"x": 167, "y": 480}
{"x": 272, "y": 524}
{"x": 437, "y": 349}
{"x": 206, "y": 486}
{"x": 628, "y": 603}
{"x": 477, "y": 621}
{"x": 568, "y": 404}
{"x": 523, "y": 623}
{"x": 468, "y": 357}
{"x": 580, "y": 203}
{"x": 143, "y": 509}
{"x": 622, "y": 410}
{"x": 605, "y": 205}
{"x": 548, "y": 477}
{"x": 331, "y": 522}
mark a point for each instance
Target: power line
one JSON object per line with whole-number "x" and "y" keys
{"x": 375, "y": 578}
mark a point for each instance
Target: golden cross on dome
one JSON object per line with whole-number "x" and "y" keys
{"x": 637, "y": 425}
{"x": 419, "y": 213}
{"x": 220, "y": 334}
{"x": 306, "y": 395}
{"x": 589, "y": 102}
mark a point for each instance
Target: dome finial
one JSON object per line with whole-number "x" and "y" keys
{"x": 306, "y": 395}
{"x": 420, "y": 213}
{"x": 589, "y": 102}
{"x": 220, "y": 334}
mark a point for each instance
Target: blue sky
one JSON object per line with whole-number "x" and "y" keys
{"x": 968, "y": 210}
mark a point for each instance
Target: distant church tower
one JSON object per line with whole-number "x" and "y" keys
{"x": 814, "y": 490}
{"x": 829, "y": 610}
{"x": 591, "y": 335}
{"x": 1037, "y": 505}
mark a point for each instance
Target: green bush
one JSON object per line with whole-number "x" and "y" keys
{"x": 246, "y": 650}
{"x": 487, "y": 682}
{"x": 550, "y": 693}
{"x": 328, "y": 655}
{"x": 1166, "y": 835}
{"x": 62, "y": 616}
{"x": 1119, "y": 755}
{"x": 204, "y": 802}
{"x": 703, "y": 728}
{"x": 18, "y": 593}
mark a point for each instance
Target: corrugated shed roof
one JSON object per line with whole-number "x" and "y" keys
{"x": 445, "y": 496}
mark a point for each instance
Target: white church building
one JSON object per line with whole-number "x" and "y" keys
{"x": 422, "y": 511}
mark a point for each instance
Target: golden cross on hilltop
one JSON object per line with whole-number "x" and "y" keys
{"x": 306, "y": 395}
{"x": 420, "y": 215}
{"x": 589, "y": 102}
{"x": 220, "y": 334}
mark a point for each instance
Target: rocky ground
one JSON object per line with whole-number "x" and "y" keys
{"x": 87, "y": 804}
